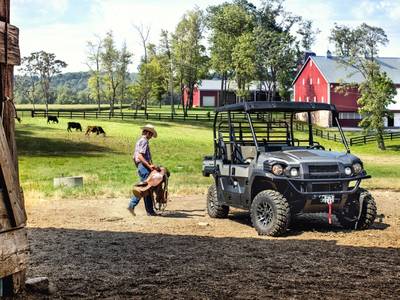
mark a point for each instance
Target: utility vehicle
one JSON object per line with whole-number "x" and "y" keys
{"x": 262, "y": 164}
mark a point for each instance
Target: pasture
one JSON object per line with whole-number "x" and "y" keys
{"x": 48, "y": 150}
{"x": 90, "y": 246}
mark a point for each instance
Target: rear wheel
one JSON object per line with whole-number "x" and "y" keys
{"x": 348, "y": 216}
{"x": 270, "y": 213}
{"x": 214, "y": 208}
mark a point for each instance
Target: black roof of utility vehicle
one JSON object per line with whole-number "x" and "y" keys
{"x": 261, "y": 106}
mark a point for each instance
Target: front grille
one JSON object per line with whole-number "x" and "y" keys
{"x": 323, "y": 171}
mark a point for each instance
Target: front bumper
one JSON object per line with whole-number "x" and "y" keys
{"x": 305, "y": 186}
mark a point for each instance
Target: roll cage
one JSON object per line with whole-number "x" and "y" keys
{"x": 243, "y": 130}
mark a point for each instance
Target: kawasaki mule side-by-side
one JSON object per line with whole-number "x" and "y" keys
{"x": 262, "y": 164}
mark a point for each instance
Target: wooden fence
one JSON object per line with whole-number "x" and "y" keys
{"x": 364, "y": 139}
{"x": 327, "y": 135}
{"x": 207, "y": 117}
{"x": 118, "y": 115}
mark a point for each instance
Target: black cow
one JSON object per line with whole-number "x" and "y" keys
{"x": 53, "y": 119}
{"x": 95, "y": 129}
{"x": 74, "y": 125}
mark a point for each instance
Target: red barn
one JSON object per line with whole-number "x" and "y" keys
{"x": 205, "y": 94}
{"x": 320, "y": 75}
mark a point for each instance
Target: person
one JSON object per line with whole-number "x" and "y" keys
{"x": 144, "y": 164}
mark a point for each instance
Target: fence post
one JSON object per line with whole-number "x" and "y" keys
{"x": 70, "y": 113}
{"x": 351, "y": 141}
{"x": 122, "y": 115}
{"x": 97, "y": 114}
{"x": 365, "y": 139}
{"x": 32, "y": 113}
{"x": 84, "y": 114}
{"x": 58, "y": 113}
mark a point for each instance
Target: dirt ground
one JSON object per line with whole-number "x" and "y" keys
{"x": 95, "y": 249}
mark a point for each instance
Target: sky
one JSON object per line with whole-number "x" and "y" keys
{"x": 65, "y": 26}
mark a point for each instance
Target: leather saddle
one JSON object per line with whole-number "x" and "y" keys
{"x": 156, "y": 182}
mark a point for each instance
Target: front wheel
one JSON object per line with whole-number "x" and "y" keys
{"x": 214, "y": 208}
{"x": 348, "y": 216}
{"x": 270, "y": 213}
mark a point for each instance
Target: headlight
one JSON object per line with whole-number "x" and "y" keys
{"x": 294, "y": 172}
{"x": 347, "y": 171}
{"x": 277, "y": 170}
{"x": 357, "y": 168}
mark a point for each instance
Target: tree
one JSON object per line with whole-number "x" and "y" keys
{"x": 361, "y": 45}
{"x": 110, "y": 60}
{"x": 125, "y": 60}
{"x": 377, "y": 92}
{"x": 308, "y": 34}
{"x": 228, "y": 22}
{"x": 146, "y": 82}
{"x": 46, "y": 66}
{"x": 345, "y": 40}
{"x": 188, "y": 53}
{"x": 276, "y": 61}
{"x": 243, "y": 55}
{"x": 94, "y": 64}
{"x": 27, "y": 81}
{"x": 152, "y": 78}
{"x": 166, "y": 61}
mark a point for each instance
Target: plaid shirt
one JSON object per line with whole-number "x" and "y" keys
{"x": 142, "y": 147}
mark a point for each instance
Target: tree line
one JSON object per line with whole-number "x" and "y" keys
{"x": 244, "y": 43}
{"x": 235, "y": 42}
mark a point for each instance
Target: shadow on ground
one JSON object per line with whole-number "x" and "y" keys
{"x": 306, "y": 222}
{"x": 393, "y": 147}
{"x": 121, "y": 265}
{"x": 32, "y": 145}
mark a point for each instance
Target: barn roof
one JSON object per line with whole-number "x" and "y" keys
{"x": 335, "y": 71}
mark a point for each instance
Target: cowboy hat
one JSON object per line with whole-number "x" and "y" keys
{"x": 150, "y": 128}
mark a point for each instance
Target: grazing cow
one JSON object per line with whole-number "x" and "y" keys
{"x": 74, "y": 125}
{"x": 53, "y": 119}
{"x": 95, "y": 129}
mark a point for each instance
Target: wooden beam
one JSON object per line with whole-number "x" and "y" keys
{"x": 10, "y": 178}
{"x": 13, "y": 252}
{"x": 5, "y": 10}
{"x": 5, "y": 223}
{"x": 13, "y": 53}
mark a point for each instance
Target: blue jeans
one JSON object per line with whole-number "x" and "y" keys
{"x": 148, "y": 202}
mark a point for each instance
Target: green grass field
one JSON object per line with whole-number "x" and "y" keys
{"x": 48, "y": 151}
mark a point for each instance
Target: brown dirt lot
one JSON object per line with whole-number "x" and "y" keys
{"x": 95, "y": 249}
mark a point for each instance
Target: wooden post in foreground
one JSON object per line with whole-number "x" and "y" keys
{"x": 13, "y": 237}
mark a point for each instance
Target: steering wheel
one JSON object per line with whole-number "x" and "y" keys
{"x": 317, "y": 147}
